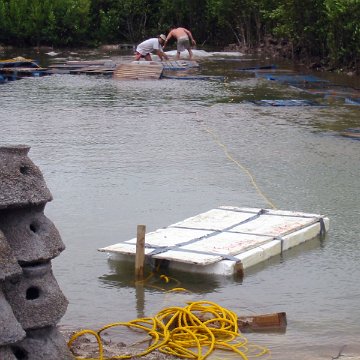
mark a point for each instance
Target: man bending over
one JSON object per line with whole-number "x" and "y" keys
{"x": 184, "y": 40}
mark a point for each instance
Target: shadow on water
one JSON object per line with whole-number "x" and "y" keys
{"x": 163, "y": 280}
{"x": 175, "y": 286}
{"x": 181, "y": 287}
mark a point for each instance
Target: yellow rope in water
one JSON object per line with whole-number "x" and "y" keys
{"x": 190, "y": 332}
{"x": 228, "y": 155}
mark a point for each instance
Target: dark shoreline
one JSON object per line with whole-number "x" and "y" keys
{"x": 275, "y": 49}
{"x": 281, "y": 49}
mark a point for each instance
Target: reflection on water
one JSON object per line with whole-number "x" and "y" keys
{"x": 162, "y": 279}
{"x": 116, "y": 154}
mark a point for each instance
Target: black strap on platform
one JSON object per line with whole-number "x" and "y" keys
{"x": 179, "y": 247}
{"x": 322, "y": 227}
{"x": 162, "y": 249}
{"x": 281, "y": 243}
{"x": 228, "y": 229}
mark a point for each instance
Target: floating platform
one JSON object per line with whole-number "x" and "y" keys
{"x": 17, "y": 73}
{"x": 291, "y": 79}
{"x": 257, "y": 68}
{"x": 18, "y": 62}
{"x": 194, "y": 77}
{"x": 18, "y": 68}
{"x": 84, "y": 67}
{"x": 285, "y": 102}
{"x": 176, "y": 65}
{"x": 134, "y": 70}
{"x": 352, "y": 101}
{"x": 353, "y": 133}
{"x": 226, "y": 240}
{"x": 332, "y": 90}
{"x": 138, "y": 70}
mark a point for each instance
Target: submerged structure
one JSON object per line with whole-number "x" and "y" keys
{"x": 31, "y": 301}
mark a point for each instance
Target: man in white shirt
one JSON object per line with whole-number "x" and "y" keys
{"x": 145, "y": 49}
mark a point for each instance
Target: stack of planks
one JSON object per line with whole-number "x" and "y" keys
{"x": 138, "y": 70}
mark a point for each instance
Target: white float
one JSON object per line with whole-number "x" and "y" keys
{"x": 225, "y": 240}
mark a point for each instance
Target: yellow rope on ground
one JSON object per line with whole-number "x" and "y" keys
{"x": 252, "y": 179}
{"x": 190, "y": 332}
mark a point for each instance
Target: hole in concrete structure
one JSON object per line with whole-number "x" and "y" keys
{"x": 32, "y": 264}
{"x": 24, "y": 169}
{"x": 34, "y": 227}
{"x": 20, "y": 353}
{"x": 32, "y": 293}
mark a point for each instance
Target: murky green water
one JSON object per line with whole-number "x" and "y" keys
{"x": 117, "y": 154}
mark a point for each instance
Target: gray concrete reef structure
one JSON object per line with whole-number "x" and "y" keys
{"x": 31, "y": 302}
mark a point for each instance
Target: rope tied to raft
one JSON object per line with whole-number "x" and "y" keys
{"x": 192, "y": 332}
{"x": 241, "y": 166}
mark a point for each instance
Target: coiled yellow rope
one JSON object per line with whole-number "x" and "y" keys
{"x": 191, "y": 332}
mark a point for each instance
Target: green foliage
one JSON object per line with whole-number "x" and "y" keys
{"x": 35, "y": 22}
{"x": 343, "y": 38}
{"x": 325, "y": 29}
{"x": 72, "y": 21}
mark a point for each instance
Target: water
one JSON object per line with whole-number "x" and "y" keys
{"x": 117, "y": 154}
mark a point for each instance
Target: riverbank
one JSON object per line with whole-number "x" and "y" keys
{"x": 87, "y": 347}
{"x": 282, "y": 49}
{"x": 275, "y": 49}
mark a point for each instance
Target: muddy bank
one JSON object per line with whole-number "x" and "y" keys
{"x": 86, "y": 347}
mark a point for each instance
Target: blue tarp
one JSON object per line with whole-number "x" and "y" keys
{"x": 285, "y": 102}
{"x": 194, "y": 77}
{"x": 290, "y": 79}
{"x": 352, "y": 101}
{"x": 353, "y": 133}
{"x": 254, "y": 68}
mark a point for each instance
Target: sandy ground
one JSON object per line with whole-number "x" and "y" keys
{"x": 86, "y": 346}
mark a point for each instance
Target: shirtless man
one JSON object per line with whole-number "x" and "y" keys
{"x": 184, "y": 40}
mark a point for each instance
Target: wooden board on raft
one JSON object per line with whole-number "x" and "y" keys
{"x": 138, "y": 70}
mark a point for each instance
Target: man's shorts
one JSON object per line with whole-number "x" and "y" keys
{"x": 183, "y": 44}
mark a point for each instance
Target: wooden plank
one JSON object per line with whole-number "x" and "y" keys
{"x": 267, "y": 322}
{"x": 92, "y": 70}
{"x": 140, "y": 252}
{"x": 179, "y": 64}
{"x": 138, "y": 71}
{"x": 274, "y": 322}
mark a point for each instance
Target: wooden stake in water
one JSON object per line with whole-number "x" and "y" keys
{"x": 140, "y": 252}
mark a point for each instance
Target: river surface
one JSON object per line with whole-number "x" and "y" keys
{"x": 116, "y": 154}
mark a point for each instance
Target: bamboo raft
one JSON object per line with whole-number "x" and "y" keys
{"x": 84, "y": 67}
{"x": 140, "y": 70}
{"x": 16, "y": 68}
